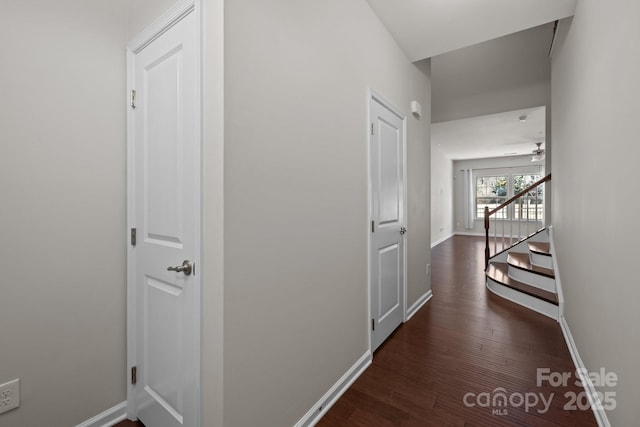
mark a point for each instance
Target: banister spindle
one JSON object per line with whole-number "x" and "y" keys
{"x": 510, "y": 212}
{"x": 495, "y": 235}
{"x": 503, "y": 218}
{"x": 536, "y": 196}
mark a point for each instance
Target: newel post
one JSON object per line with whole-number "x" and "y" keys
{"x": 486, "y": 236}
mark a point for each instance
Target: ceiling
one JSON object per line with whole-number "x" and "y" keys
{"x": 493, "y": 135}
{"x": 425, "y": 28}
{"x": 486, "y": 69}
{"x": 503, "y": 74}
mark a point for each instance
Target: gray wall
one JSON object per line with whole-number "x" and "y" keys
{"x": 143, "y": 13}
{"x": 441, "y": 195}
{"x": 62, "y": 215}
{"x": 595, "y": 90}
{"x": 504, "y": 74}
{"x": 295, "y": 296}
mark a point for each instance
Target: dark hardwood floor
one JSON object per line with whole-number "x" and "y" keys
{"x": 464, "y": 342}
{"x": 127, "y": 423}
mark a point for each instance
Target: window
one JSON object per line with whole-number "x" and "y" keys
{"x": 531, "y": 205}
{"x": 492, "y": 191}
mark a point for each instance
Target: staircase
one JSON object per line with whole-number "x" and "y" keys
{"x": 524, "y": 274}
{"x": 521, "y": 269}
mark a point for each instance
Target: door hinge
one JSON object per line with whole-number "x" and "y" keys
{"x": 133, "y": 99}
{"x": 133, "y": 237}
{"x": 373, "y": 226}
{"x": 134, "y": 375}
{"x": 372, "y": 129}
{"x": 373, "y": 324}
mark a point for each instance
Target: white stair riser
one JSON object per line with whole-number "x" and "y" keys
{"x": 532, "y": 303}
{"x": 532, "y": 279}
{"x": 541, "y": 260}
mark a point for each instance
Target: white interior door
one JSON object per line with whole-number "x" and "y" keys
{"x": 165, "y": 208}
{"x": 387, "y": 221}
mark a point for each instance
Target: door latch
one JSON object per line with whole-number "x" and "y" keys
{"x": 186, "y": 268}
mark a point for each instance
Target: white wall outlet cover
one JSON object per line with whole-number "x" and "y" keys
{"x": 416, "y": 109}
{"x": 9, "y": 395}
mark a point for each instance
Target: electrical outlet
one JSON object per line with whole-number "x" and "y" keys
{"x": 428, "y": 269}
{"x": 9, "y": 395}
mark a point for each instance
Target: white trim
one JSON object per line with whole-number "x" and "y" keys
{"x": 199, "y": 208}
{"x": 418, "y": 304}
{"x": 405, "y": 210}
{"x": 373, "y": 94}
{"x": 321, "y": 407}
{"x": 369, "y": 216}
{"x": 131, "y": 253}
{"x": 437, "y": 242}
{"x": 600, "y": 414}
{"x": 108, "y": 418}
{"x": 467, "y": 233}
{"x": 161, "y": 25}
{"x": 556, "y": 271}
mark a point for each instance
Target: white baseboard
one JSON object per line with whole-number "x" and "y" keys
{"x": 468, "y": 233}
{"x": 437, "y": 242}
{"x": 418, "y": 304}
{"x": 600, "y": 414}
{"x": 321, "y": 407}
{"x": 107, "y": 418}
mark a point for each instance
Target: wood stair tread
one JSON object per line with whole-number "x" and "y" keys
{"x": 522, "y": 261}
{"x": 540, "y": 248}
{"x": 498, "y": 272}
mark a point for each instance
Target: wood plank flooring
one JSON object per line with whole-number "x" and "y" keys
{"x": 127, "y": 423}
{"x": 465, "y": 341}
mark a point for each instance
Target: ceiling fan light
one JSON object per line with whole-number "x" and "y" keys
{"x": 538, "y": 153}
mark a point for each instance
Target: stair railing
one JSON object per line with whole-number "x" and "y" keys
{"x": 513, "y": 219}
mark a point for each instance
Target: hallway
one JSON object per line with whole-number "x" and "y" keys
{"x": 464, "y": 342}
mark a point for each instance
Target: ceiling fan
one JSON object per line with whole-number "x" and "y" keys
{"x": 538, "y": 153}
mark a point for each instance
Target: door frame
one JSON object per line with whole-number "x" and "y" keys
{"x": 167, "y": 20}
{"x": 375, "y": 96}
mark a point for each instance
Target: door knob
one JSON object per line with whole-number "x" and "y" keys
{"x": 186, "y": 268}
{"x": 403, "y": 230}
